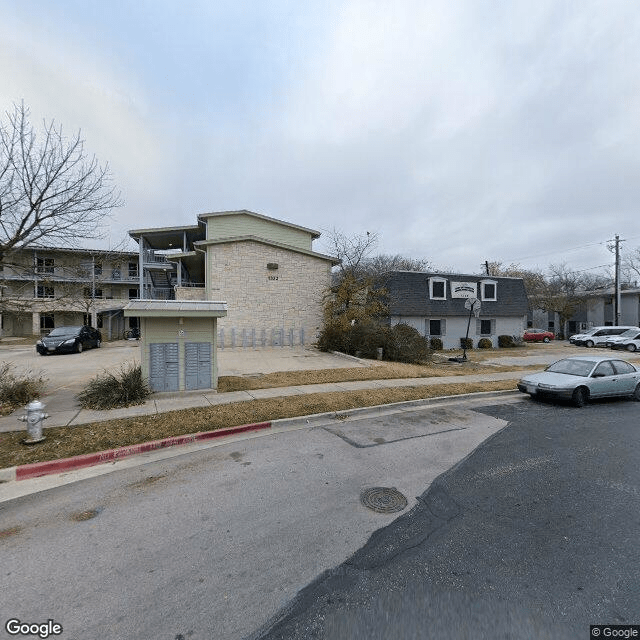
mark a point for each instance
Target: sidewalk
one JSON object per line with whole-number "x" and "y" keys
{"x": 163, "y": 402}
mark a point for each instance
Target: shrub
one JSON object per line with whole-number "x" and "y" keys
{"x": 400, "y": 343}
{"x": 466, "y": 343}
{"x": 111, "y": 391}
{"x": 485, "y": 343}
{"x": 18, "y": 390}
{"x": 406, "y": 344}
{"x": 506, "y": 342}
{"x": 436, "y": 344}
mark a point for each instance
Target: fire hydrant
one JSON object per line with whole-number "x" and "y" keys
{"x": 35, "y": 416}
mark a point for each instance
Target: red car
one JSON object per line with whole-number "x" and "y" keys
{"x": 538, "y": 335}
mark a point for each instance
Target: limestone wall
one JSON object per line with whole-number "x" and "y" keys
{"x": 267, "y": 305}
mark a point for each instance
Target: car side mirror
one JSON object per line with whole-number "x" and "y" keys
{"x": 598, "y": 375}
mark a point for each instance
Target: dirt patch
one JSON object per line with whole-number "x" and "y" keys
{"x": 64, "y": 442}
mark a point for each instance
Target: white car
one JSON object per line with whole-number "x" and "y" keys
{"x": 615, "y": 341}
{"x": 597, "y": 335}
{"x": 629, "y": 345}
{"x": 581, "y": 378}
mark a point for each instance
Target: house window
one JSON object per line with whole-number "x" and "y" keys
{"x": 437, "y": 289}
{"x": 436, "y": 327}
{"x": 489, "y": 290}
{"x": 485, "y": 327}
{"x": 47, "y": 321}
{"x": 44, "y": 292}
{"x": 44, "y": 265}
{"x": 133, "y": 294}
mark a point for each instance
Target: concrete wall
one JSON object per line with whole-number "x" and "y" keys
{"x": 266, "y": 302}
{"x": 191, "y": 293}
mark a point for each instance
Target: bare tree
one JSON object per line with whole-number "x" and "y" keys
{"x": 382, "y": 263}
{"x": 50, "y": 190}
{"x": 631, "y": 265}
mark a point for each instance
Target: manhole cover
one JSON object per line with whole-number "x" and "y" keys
{"x": 383, "y": 499}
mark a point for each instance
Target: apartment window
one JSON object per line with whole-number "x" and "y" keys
{"x": 44, "y": 265}
{"x": 485, "y": 327}
{"x": 97, "y": 269}
{"x": 133, "y": 269}
{"x": 44, "y": 292}
{"x": 489, "y": 290}
{"x": 436, "y": 327}
{"x": 88, "y": 293}
{"x": 133, "y": 294}
{"x": 115, "y": 274}
{"x": 47, "y": 321}
{"x": 437, "y": 289}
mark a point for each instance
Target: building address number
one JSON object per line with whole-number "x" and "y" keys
{"x": 272, "y": 277}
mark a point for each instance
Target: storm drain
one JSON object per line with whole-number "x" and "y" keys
{"x": 383, "y": 499}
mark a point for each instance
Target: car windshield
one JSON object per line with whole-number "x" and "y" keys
{"x": 65, "y": 331}
{"x": 572, "y": 367}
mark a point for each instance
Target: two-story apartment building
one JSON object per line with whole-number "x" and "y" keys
{"x": 437, "y": 305}
{"x": 265, "y": 269}
{"x": 44, "y": 287}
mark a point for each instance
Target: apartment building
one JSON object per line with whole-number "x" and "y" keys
{"x": 264, "y": 269}
{"x": 44, "y": 287}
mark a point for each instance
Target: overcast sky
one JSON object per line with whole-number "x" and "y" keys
{"x": 459, "y": 131}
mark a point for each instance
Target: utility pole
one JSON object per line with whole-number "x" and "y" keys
{"x": 618, "y": 303}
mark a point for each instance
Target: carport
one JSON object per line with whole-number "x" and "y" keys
{"x": 178, "y": 342}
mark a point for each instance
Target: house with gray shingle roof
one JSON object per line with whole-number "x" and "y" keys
{"x": 437, "y": 305}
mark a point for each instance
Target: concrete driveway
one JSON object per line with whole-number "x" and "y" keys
{"x": 68, "y": 374}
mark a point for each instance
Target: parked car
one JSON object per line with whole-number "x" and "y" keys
{"x": 538, "y": 335}
{"x": 629, "y": 345}
{"x": 597, "y": 335}
{"x": 629, "y": 335}
{"x": 69, "y": 340}
{"x": 580, "y": 378}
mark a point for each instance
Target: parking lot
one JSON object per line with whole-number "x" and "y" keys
{"x": 66, "y": 375}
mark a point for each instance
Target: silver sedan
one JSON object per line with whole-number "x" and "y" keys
{"x": 581, "y": 378}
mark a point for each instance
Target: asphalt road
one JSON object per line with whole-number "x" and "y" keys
{"x": 212, "y": 544}
{"x": 534, "y": 535}
{"x": 525, "y": 525}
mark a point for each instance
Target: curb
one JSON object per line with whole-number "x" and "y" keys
{"x": 39, "y": 469}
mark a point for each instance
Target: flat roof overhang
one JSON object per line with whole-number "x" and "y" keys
{"x": 170, "y": 237}
{"x": 176, "y": 309}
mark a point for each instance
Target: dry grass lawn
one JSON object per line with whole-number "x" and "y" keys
{"x": 63, "y": 442}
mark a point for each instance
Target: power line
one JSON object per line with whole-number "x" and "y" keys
{"x": 552, "y": 253}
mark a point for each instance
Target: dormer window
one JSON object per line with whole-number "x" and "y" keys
{"x": 489, "y": 289}
{"x": 437, "y": 288}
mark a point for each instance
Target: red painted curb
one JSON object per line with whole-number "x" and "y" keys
{"x": 38, "y": 469}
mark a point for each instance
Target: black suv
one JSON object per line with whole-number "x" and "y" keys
{"x": 69, "y": 340}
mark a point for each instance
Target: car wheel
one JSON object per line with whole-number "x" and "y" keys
{"x": 546, "y": 340}
{"x": 588, "y": 343}
{"x": 579, "y": 397}
{"x": 631, "y": 347}
{"x": 636, "y": 393}
{"x": 79, "y": 347}
{"x": 98, "y": 344}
